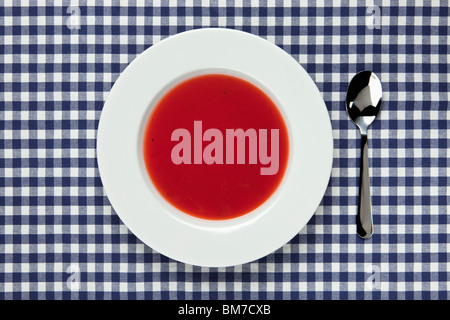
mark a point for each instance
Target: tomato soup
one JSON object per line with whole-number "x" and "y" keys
{"x": 216, "y": 147}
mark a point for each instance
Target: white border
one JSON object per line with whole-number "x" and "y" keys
{"x": 180, "y": 236}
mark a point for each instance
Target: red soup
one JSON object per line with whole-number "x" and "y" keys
{"x": 216, "y": 147}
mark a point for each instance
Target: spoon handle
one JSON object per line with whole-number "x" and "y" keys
{"x": 364, "y": 218}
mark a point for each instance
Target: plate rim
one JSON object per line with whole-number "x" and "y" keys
{"x": 207, "y": 232}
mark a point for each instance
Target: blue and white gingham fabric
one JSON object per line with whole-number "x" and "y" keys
{"x": 59, "y": 236}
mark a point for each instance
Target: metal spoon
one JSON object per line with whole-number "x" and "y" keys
{"x": 363, "y": 102}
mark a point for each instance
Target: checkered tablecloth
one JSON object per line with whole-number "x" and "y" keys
{"x": 59, "y": 236}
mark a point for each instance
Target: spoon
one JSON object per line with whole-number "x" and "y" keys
{"x": 363, "y": 102}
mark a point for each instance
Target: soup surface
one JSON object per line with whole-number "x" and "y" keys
{"x": 216, "y": 147}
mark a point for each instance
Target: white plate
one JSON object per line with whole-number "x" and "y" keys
{"x": 181, "y": 236}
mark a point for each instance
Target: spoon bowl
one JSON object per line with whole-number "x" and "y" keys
{"x": 364, "y": 97}
{"x": 363, "y": 103}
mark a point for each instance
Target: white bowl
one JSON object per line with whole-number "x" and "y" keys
{"x": 160, "y": 225}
